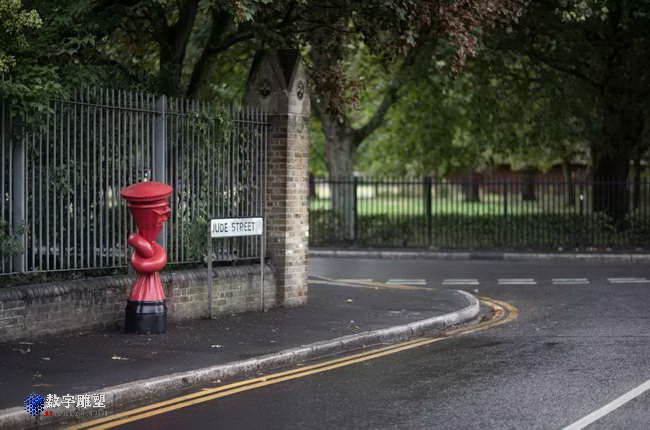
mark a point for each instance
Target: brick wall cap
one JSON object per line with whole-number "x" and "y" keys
{"x": 55, "y": 289}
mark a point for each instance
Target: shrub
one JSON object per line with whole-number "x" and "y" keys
{"x": 532, "y": 231}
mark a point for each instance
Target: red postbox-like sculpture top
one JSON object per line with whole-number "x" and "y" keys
{"x": 149, "y": 207}
{"x": 146, "y": 192}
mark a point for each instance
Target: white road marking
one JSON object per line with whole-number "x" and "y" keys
{"x": 609, "y": 407}
{"x": 460, "y": 282}
{"x": 628, "y": 280}
{"x": 407, "y": 281}
{"x": 353, "y": 280}
{"x": 570, "y": 281}
{"x": 517, "y": 281}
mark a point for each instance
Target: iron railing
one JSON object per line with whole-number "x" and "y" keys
{"x": 60, "y": 179}
{"x": 541, "y": 213}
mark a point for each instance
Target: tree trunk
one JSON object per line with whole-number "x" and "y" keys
{"x": 169, "y": 73}
{"x": 570, "y": 187}
{"x": 636, "y": 201}
{"x": 622, "y": 129}
{"x": 610, "y": 191}
{"x": 173, "y": 42}
{"x": 472, "y": 187}
{"x": 528, "y": 185}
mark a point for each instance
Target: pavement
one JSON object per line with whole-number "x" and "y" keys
{"x": 579, "y": 344}
{"x": 581, "y": 340}
{"x": 409, "y": 254}
{"x": 340, "y": 317}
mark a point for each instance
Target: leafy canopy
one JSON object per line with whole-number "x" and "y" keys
{"x": 15, "y": 23}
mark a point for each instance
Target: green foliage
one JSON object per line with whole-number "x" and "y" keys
{"x": 325, "y": 226}
{"x": 638, "y": 227}
{"x": 317, "y": 157}
{"x": 449, "y": 231}
{"x": 218, "y": 132}
{"x": 428, "y": 130}
{"x": 213, "y": 128}
{"x": 16, "y": 25}
{"x": 27, "y": 82}
{"x": 535, "y": 95}
{"x": 496, "y": 111}
{"x": 64, "y": 51}
{"x": 582, "y": 10}
{"x": 195, "y": 232}
{"x": 9, "y": 243}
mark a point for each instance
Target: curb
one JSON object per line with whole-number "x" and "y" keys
{"x": 507, "y": 256}
{"x": 132, "y": 392}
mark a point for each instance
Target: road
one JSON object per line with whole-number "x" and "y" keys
{"x": 581, "y": 340}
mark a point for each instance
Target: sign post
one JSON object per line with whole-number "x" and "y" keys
{"x": 235, "y": 227}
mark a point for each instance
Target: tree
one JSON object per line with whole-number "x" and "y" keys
{"x": 21, "y": 77}
{"x": 400, "y": 34}
{"x": 601, "y": 48}
{"x": 499, "y": 109}
{"x": 414, "y": 36}
{"x": 171, "y": 47}
{"x": 429, "y": 130}
{"x": 16, "y": 22}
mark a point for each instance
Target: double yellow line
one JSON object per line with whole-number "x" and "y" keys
{"x": 502, "y": 313}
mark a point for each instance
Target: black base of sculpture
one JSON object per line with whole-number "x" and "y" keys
{"x": 145, "y": 317}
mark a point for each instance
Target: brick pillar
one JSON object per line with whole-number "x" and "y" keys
{"x": 277, "y": 83}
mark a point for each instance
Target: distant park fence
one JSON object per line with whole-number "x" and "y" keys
{"x": 61, "y": 175}
{"x": 459, "y": 214}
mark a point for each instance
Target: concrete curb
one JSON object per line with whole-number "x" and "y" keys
{"x": 507, "y": 256}
{"x": 132, "y": 392}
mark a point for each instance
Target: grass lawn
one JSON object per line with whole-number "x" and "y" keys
{"x": 489, "y": 205}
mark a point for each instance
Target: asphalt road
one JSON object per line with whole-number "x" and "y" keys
{"x": 581, "y": 340}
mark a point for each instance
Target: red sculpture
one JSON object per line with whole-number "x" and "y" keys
{"x": 146, "y": 310}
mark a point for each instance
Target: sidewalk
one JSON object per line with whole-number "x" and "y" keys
{"x": 595, "y": 257}
{"x": 337, "y": 319}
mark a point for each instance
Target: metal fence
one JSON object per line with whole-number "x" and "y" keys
{"x": 60, "y": 180}
{"x": 448, "y": 214}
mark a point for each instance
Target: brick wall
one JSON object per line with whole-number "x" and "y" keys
{"x": 287, "y": 207}
{"x": 29, "y": 311}
{"x": 277, "y": 83}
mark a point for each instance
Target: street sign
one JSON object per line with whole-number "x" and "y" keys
{"x": 235, "y": 227}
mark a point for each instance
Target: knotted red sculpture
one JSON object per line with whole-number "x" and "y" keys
{"x": 146, "y": 310}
